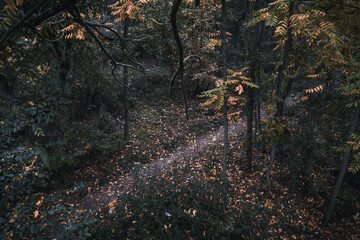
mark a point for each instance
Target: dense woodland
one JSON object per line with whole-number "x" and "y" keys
{"x": 171, "y": 119}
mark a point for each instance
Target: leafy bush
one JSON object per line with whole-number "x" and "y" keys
{"x": 21, "y": 173}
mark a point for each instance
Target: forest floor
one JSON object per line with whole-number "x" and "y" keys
{"x": 166, "y": 146}
{"x": 171, "y": 143}
{"x": 144, "y": 172}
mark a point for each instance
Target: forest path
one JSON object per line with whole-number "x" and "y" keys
{"x": 144, "y": 172}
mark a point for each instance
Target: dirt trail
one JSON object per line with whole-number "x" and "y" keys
{"x": 142, "y": 173}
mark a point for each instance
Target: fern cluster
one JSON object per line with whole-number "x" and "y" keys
{"x": 230, "y": 90}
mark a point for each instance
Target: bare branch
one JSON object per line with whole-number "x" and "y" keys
{"x": 62, "y": 34}
{"x": 17, "y": 25}
{"x": 79, "y": 20}
{"x": 115, "y": 63}
{"x": 122, "y": 44}
{"x": 172, "y": 80}
{"x": 114, "y": 31}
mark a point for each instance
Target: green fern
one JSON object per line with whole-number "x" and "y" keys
{"x": 354, "y": 166}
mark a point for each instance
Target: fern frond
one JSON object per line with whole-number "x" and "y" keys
{"x": 354, "y": 166}
{"x": 230, "y": 82}
{"x": 250, "y": 84}
{"x": 315, "y": 89}
{"x": 209, "y": 93}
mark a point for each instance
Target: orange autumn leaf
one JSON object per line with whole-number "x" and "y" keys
{"x": 239, "y": 89}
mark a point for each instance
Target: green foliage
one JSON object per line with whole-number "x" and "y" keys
{"x": 217, "y": 95}
{"x": 22, "y": 172}
{"x": 177, "y": 210}
{"x": 354, "y": 146}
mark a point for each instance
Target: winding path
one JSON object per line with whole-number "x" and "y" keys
{"x": 142, "y": 173}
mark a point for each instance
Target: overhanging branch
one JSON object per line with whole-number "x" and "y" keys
{"x": 17, "y": 25}
{"x": 113, "y": 39}
{"x": 79, "y": 20}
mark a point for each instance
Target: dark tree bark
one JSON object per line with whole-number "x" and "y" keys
{"x": 251, "y": 92}
{"x": 344, "y": 165}
{"x": 126, "y": 83}
{"x": 174, "y": 10}
{"x": 63, "y": 59}
{"x": 281, "y": 93}
{"x": 224, "y": 72}
{"x": 258, "y": 129}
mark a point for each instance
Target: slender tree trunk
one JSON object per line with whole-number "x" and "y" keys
{"x": 258, "y": 128}
{"x": 174, "y": 9}
{"x": 224, "y": 72}
{"x": 257, "y": 91}
{"x": 251, "y": 92}
{"x": 272, "y": 159}
{"x": 201, "y": 30}
{"x": 249, "y": 124}
{"x": 63, "y": 58}
{"x": 126, "y": 90}
{"x": 344, "y": 165}
{"x": 280, "y": 92}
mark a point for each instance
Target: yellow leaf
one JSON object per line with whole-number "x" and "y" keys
{"x": 36, "y": 214}
{"x": 31, "y": 103}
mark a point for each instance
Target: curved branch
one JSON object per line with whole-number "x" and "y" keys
{"x": 62, "y": 34}
{"x": 115, "y": 63}
{"x": 17, "y": 25}
{"x": 79, "y": 20}
{"x": 122, "y": 44}
{"x": 172, "y": 80}
{"x": 174, "y": 10}
{"x": 122, "y": 39}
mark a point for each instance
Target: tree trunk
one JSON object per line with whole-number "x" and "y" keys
{"x": 224, "y": 72}
{"x": 344, "y": 165}
{"x": 257, "y": 91}
{"x": 126, "y": 90}
{"x": 251, "y": 92}
{"x": 249, "y": 123}
{"x": 280, "y": 92}
{"x": 63, "y": 58}
{"x": 174, "y": 9}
